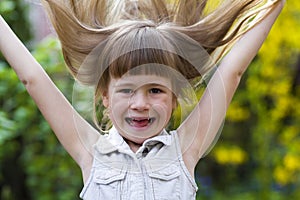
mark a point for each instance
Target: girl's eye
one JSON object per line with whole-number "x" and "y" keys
{"x": 155, "y": 91}
{"x": 126, "y": 91}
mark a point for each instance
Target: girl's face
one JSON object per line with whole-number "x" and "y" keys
{"x": 140, "y": 106}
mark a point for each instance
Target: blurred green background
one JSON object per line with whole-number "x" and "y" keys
{"x": 256, "y": 157}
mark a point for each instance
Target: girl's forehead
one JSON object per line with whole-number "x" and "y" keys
{"x": 141, "y": 80}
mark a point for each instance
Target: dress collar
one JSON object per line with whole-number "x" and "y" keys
{"x": 114, "y": 141}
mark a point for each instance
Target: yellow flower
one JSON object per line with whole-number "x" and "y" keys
{"x": 289, "y": 134}
{"x": 230, "y": 155}
{"x": 237, "y": 113}
{"x": 282, "y": 176}
{"x": 292, "y": 162}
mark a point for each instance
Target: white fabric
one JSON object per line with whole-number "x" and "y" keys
{"x": 155, "y": 173}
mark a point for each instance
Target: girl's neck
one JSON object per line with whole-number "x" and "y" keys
{"x": 133, "y": 145}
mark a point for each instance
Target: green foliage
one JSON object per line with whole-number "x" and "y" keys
{"x": 14, "y": 11}
{"x": 33, "y": 165}
{"x": 263, "y": 122}
{"x": 50, "y": 172}
{"x": 64, "y": 180}
{"x": 257, "y": 156}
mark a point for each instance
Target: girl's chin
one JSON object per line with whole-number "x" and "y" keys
{"x": 138, "y": 134}
{"x": 133, "y": 141}
{"x": 138, "y": 137}
{"x": 142, "y": 134}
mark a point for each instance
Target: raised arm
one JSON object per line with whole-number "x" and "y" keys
{"x": 66, "y": 123}
{"x": 209, "y": 114}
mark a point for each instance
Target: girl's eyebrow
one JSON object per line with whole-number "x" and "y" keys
{"x": 156, "y": 85}
{"x": 151, "y": 84}
{"x": 123, "y": 85}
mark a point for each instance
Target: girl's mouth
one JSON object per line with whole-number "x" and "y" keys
{"x": 139, "y": 122}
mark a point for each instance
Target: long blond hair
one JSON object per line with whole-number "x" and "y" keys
{"x": 84, "y": 25}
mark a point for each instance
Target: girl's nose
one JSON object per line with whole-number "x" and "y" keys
{"x": 139, "y": 101}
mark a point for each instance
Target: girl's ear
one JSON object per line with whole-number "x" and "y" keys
{"x": 105, "y": 99}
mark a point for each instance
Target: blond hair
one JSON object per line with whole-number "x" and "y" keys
{"x": 151, "y": 31}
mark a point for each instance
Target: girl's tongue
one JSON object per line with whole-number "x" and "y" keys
{"x": 139, "y": 122}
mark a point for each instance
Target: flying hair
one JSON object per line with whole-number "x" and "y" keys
{"x": 107, "y": 38}
{"x": 82, "y": 24}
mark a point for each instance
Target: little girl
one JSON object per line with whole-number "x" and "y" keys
{"x": 144, "y": 59}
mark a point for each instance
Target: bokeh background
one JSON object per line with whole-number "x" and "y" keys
{"x": 256, "y": 157}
